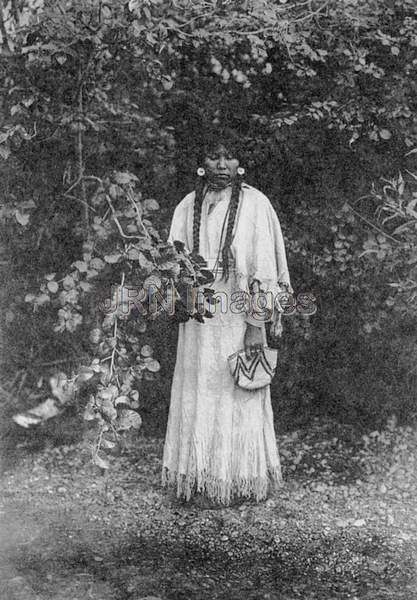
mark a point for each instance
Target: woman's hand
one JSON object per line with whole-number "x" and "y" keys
{"x": 253, "y": 340}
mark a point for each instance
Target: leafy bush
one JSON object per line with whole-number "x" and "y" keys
{"x": 103, "y": 109}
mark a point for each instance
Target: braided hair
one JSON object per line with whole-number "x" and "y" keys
{"x": 234, "y": 203}
{"x": 200, "y": 189}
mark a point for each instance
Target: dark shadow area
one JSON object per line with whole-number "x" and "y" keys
{"x": 201, "y": 566}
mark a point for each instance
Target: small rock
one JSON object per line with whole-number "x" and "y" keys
{"x": 342, "y": 523}
{"x": 62, "y": 490}
{"x": 377, "y": 568}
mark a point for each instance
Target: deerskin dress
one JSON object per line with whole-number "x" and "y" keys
{"x": 220, "y": 439}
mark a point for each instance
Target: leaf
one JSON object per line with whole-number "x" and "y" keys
{"x": 112, "y": 258}
{"x": 68, "y": 282}
{"x": 101, "y": 462}
{"x": 403, "y": 227}
{"x": 150, "y": 204}
{"x": 85, "y": 286}
{"x": 52, "y": 286}
{"x": 85, "y": 374}
{"x": 109, "y": 393}
{"x": 97, "y": 263}
{"x": 91, "y": 273}
{"x": 152, "y": 281}
{"x": 107, "y": 444}
{"x": 115, "y": 191}
{"x": 167, "y": 82}
{"x": 385, "y": 134}
{"x": 42, "y": 299}
{"x": 124, "y": 178}
{"x": 25, "y": 420}
{"x": 145, "y": 263}
{"x": 153, "y": 366}
{"x": 146, "y": 351}
{"x": 200, "y": 260}
{"x": 44, "y": 411}
{"x": 22, "y": 219}
{"x": 128, "y": 419}
{"x": 134, "y": 254}
{"x": 179, "y": 246}
{"x": 169, "y": 265}
{"x": 90, "y": 412}
{"x": 122, "y": 400}
{"x": 107, "y": 408}
{"x": 207, "y": 274}
{"x": 62, "y": 388}
{"x": 80, "y": 265}
{"x": 5, "y": 152}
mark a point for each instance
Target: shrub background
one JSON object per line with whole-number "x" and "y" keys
{"x": 322, "y": 97}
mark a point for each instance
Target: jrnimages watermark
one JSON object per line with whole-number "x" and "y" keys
{"x": 152, "y": 301}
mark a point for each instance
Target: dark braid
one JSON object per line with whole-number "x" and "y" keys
{"x": 198, "y": 201}
{"x": 234, "y": 203}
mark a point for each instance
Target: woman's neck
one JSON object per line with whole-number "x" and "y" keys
{"x": 218, "y": 187}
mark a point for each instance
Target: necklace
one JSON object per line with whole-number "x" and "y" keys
{"x": 217, "y": 263}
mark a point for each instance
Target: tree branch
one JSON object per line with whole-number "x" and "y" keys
{"x": 3, "y": 32}
{"x": 267, "y": 29}
{"x": 80, "y": 153}
{"x": 138, "y": 217}
{"x": 15, "y": 11}
{"x": 368, "y": 222}
{"x": 87, "y": 206}
{"x": 119, "y": 227}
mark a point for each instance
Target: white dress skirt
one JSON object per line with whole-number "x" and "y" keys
{"x": 220, "y": 439}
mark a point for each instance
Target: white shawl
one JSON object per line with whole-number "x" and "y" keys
{"x": 258, "y": 244}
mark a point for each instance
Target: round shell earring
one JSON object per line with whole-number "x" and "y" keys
{"x": 201, "y": 172}
{"x": 240, "y": 171}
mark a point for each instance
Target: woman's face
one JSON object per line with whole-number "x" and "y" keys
{"x": 221, "y": 166}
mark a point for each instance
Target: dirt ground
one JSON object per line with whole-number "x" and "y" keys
{"x": 343, "y": 526}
